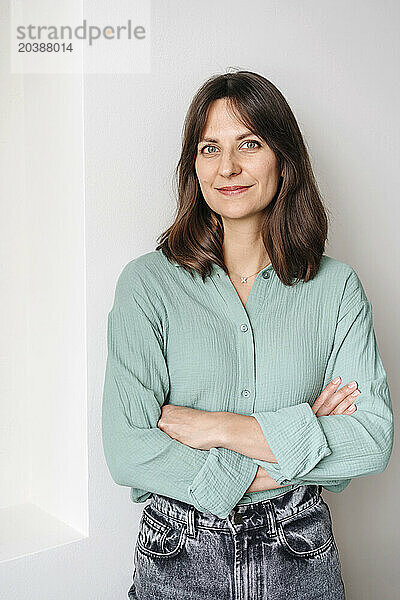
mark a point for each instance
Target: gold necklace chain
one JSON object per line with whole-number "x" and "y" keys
{"x": 243, "y": 279}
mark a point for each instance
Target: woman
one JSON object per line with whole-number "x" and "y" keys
{"x": 236, "y": 352}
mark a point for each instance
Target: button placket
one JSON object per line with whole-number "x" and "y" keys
{"x": 246, "y": 373}
{"x": 241, "y": 316}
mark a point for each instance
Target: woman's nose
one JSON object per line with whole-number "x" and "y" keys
{"x": 228, "y": 164}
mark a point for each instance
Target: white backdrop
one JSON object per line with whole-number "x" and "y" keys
{"x": 337, "y": 64}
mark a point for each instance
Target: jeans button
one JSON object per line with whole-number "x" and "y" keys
{"x": 237, "y": 518}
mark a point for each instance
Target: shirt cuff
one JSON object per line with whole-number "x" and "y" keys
{"x": 222, "y": 481}
{"x": 296, "y": 439}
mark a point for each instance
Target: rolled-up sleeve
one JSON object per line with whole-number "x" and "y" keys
{"x": 296, "y": 439}
{"x": 139, "y": 454}
{"x": 337, "y": 447}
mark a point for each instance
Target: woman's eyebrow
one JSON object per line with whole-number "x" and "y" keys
{"x": 238, "y": 138}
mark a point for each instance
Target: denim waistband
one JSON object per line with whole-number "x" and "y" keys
{"x": 266, "y": 513}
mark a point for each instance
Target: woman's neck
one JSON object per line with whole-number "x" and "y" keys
{"x": 245, "y": 259}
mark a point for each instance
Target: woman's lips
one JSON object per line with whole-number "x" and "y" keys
{"x": 234, "y": 190}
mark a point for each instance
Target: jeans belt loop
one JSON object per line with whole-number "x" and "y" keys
{"x": 190, "y": 523}
{"x": 271, "y": 516}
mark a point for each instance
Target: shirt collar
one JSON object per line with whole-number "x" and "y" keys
{"x": 217, "y": 269}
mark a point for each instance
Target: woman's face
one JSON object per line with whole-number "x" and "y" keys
{"x": 230, "y": 155}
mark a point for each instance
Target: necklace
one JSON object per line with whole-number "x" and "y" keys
{"x": 243, "y": 278}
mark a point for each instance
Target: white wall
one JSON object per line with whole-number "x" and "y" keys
{"x": 43, "y": 454}
{"x": 335, "y": 62}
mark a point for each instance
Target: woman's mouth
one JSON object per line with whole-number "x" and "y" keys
{"x": 233, "y": 190}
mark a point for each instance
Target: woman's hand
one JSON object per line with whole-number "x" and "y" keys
{"x": 193, "y": 427}
{"x": 204, "y": 429}
{"x": 332, "y": 401}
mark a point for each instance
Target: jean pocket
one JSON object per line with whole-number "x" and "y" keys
{"x": 309, "y": 533}
{"x": 159, "y": 536}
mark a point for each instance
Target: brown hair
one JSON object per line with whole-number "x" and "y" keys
{"x": 296, "y": 224}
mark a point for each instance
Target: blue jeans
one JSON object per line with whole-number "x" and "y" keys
{"x": 277, "y": 549}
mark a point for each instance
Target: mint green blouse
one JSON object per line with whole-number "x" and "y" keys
{"x": 173, "y": 338}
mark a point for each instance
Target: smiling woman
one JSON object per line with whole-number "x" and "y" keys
{"x": 219, "y": 401}
{"x": 239, "y": 131}
{"x": 227, "y": 147}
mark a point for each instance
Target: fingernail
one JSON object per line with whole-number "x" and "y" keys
{"x": 336, "y": 380}
{"x": 352, "y": 384}
{"x": 352, "y": 407}
{"x": 356, "y": 393}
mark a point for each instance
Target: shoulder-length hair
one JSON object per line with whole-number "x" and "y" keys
{"x": 295, "y": 227}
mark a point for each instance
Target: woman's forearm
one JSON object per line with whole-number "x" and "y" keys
{"x": 243, "y": 434}
{"x": 263, "y": 481}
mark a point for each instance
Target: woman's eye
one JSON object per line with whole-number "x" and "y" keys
{"x": 253, "y": 142}
{"x": 203, "y": 150}
{"x": 204, "y": 147}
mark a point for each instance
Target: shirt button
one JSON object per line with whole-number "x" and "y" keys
{"x": 245, "y": 393}
{"x": 265, "y": 275}
{"x": 243, "y": 327}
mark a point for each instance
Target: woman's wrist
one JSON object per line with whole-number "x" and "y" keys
{"x": 230, "y": 429}
{"x": 243, "y": 434}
